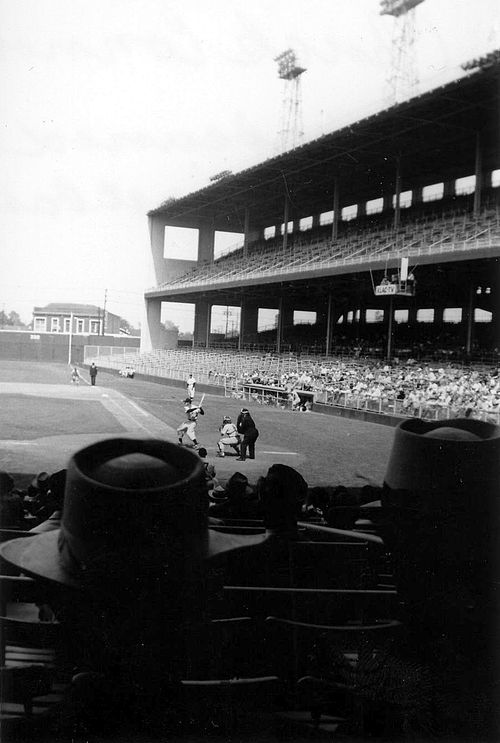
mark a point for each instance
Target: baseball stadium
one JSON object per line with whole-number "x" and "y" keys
{"x": 340, "y": 581}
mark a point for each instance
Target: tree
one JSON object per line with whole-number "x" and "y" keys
{"x": 169, "y": 325}
{"x": 12, "y": 320}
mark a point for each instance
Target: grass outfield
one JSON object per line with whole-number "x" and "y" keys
{"x": 326, "y": 450}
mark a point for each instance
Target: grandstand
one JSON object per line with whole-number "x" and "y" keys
{"x": 324, "y": 222}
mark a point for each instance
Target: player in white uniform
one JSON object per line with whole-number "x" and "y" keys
{"x": 188, "y": 426}
{"x": 190, "y": 385}
{"x": 229, "y": 437}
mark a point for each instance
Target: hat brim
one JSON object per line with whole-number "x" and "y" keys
{"x": 38, "y": 556}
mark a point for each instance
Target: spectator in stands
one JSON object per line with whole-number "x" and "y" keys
{"x": 126, "y": 575}
{"x": 282, "y": 494}
{"x": 53, "y": 506}
{"x": 241, "y": 501}
{"x": 11, "y": 504}
{"x": 93, "y": 373}
{"x": 249, "y": 433}
{"x": 210, "y": 474}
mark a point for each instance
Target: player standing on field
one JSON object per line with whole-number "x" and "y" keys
{"x": 191, "y": 385}
{"x": 188, "y": 426}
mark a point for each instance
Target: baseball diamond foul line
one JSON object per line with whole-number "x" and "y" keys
{"x": 284, "y": 453}
{"x": 135, "y": 421}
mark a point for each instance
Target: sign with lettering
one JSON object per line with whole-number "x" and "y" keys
{"x": 384, "y": 289}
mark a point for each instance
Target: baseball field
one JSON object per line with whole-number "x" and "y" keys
{"x": 44, "y": 419}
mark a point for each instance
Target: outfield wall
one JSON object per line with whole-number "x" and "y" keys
{"x": 24, "y": 345}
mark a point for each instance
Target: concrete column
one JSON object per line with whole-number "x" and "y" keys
{"x": 329, "y": 326}
{"x": 479, "y": 176}
{"x": 157, "y": 226}
{"x": 390, "y": 329}
{"x": 397, "y": 208}
{"x": 438, "y": 316}
{"x": 387, "y": 202}
{"x": 315, "y": 223}
{"x": 153, "y": 335}
{"x": 286, "y": 211}
{"x": 202, "y": 317}
{"x": 246, "y": 230}
{"x": 416, "y": 195}
{"x": 249, "y": 317}
{"x": 361, "y": 209}
{"x": 206, "y": 236}
{"x": 336, "y": 208}
{"x": 448, "y": 189}
{"x": 468, "y": 320}
{"x": 412, "y": 316}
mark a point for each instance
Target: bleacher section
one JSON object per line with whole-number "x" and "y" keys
{"x": 422, "y": 234}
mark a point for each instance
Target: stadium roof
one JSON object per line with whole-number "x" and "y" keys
{"x": 433, "y": 135}
{"x": 66, "y": 308}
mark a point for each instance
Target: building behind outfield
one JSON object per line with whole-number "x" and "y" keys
{"x": 413, "y": 189}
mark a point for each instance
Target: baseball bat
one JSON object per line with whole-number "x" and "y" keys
{"x": 201, "y": 401}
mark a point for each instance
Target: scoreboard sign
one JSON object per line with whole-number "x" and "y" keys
{"x": 384, "y": 289}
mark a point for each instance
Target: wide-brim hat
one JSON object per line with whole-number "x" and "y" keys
{"x": 41, "y": 481}
{"x": 130, "y": 504}
{"x": 460, "y": 453}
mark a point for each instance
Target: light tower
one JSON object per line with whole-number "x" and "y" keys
{"x": 403, "y": 80}
{"x": 291, "y": 112}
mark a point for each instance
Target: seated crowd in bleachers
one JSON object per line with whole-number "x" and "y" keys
{"x": 420, "y": 389}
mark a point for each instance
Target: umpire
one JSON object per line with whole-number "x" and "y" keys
{"x": 248, "y": 433}
{"x": 93, "y": 373}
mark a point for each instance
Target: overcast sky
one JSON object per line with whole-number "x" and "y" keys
{"x": 108, "y": 107}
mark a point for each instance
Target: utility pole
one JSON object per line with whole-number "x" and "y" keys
{"x": 70, "y": 337}
{"x": 103, "y": 326}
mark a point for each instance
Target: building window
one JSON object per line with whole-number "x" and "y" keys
{"x": 465, "y": 185}
{"x": 400, "y": 316}
{"x": 374, "y": 316}
{"x": 349, "y": 212}
{"x": 40, "y": 324}
{"x": 404, "y": 200}
{"x": 426, "y": 315}
{"x": 79, "y": 325}
{"x": 433, "y": 192}
{"x": 495, "y": 178}
{"x": 374, "y": 206}
{"x": 269, "y": 232}
{"x": 54, "y": 324}
{"x": 94, "y": 327}
{"x": 482, "y": 315}
{"x": 305, "y": 223}
{"x": 326, "y": 218}
{"x": 452, "y": 315}
{"x": 67, "y": 325}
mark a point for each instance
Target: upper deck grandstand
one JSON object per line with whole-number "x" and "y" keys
{"x": 323, "y": 223}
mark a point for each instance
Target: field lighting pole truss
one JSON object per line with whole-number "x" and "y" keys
{"x": 403, "y": 80}
{"x": 291, "y": 129}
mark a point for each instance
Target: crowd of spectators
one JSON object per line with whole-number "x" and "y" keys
{"x": 409, "y": 389}
{"x": 38, "y": 507}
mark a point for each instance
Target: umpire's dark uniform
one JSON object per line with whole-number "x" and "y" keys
{"x": 93, "y": 374}
{"x": 246, "y": 426}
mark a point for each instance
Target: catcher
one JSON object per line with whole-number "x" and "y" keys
{"x": 229, "y": 437}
